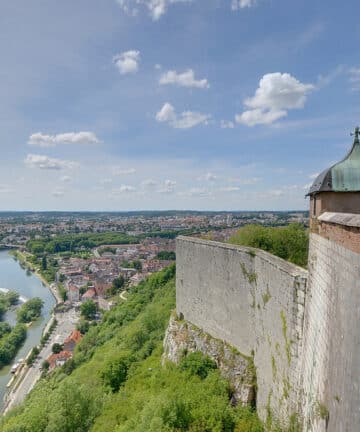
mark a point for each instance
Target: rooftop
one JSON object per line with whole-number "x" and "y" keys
{"x": 344, "y": 176}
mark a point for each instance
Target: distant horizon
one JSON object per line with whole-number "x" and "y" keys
{"x": 154, "y": 211}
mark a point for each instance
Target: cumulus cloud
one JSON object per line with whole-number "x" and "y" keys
{"x": 185, "y": 120}
{"x": 47, "y": 163}
{"x": 127, "y": 62}
{"x": 240, "y": 4}
{"x": 157, "y": 8}
{"x": 276, "y": 94}
{"x": 185, "y": 79}
{"x": 42, "y": 140}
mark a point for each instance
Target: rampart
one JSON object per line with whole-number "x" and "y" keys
{"x": 254, "y": 301}
{"x": 301, "y": 328}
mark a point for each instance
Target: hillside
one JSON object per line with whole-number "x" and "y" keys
{"x": 116, "y": 383}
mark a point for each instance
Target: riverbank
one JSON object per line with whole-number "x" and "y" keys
{"x": 29, "y": 375}
{"x": 22, "y": 256}
{"x": 28, "y": 284}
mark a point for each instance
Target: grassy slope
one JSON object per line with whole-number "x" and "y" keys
{"x": 84, "y": 395}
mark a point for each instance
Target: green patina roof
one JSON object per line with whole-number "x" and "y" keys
{"x": 346, "y": 174}
{"x": 343, "y": 176}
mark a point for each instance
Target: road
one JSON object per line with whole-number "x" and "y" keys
{"x": 66, "y": 324}
{"x": 122, "y": 295}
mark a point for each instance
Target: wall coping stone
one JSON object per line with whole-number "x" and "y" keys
{"x": 282, "y": 264}
{"x": 347, "y": 219}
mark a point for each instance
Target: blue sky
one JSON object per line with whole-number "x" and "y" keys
{"x": 173, "y": 104}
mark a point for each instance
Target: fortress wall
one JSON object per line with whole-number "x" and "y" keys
{"x": 331, "y": 359}
{"x": 252, "y": 300}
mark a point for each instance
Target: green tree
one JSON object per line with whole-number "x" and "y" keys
{"x": 30, "y": 310}
{"x": 44, "y": 263}
{"x": 83, "y": 326}
{"x": 88, "y": 309}
{"x": 115, "y": 373}
{"x": 56, "y": 348}
{"x": 197, "y": 364}
{"x": 137, "y": 265}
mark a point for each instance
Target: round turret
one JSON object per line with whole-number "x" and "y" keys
{"x": 337, "y": 189}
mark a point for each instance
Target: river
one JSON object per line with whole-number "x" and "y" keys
{"x": 14, "y": 277}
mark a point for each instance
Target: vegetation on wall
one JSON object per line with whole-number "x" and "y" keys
{"x": 290, "y": 242}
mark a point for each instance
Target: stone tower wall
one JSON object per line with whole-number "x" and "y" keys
{"x": 331, "y": 357}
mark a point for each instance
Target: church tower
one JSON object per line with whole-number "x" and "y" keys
{"x": 331, "y": 355}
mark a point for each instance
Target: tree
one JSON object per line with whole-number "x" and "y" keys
{"x": 83, "y": 326}
{"x": 56, "y": 348}
{"x": 197, "y": 364}
{"x": 44, "y": 263}
{"x": 137, "y": 265}
{"x": 115, "y": 373}
{"x": 30, "y": 310}
{"x": 88, "y": 309}
{"x": 45, "y": 365}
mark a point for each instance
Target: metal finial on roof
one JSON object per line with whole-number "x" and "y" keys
{"x": 356, "y": 135}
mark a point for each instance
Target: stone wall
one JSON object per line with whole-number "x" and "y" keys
{"x": 331, "y": 357}
{"x": 183, "y": 338}
{"x": 254, "y": 301}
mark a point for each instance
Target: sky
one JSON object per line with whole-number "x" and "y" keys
{"x": 174, "y": 104}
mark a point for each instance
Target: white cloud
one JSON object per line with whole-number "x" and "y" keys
{"x": 47, "y": 163}
{"x": 156, "y": 8}
{"x": 168, "y": 187}
{"x": 240, "y": 4}
{"x": 127, "y": 62}
{"x": 185, "y": 120}
{"x": 65, "y": 179}
{"x": 123, "y": 189}
{"x": 355, "y": 78}
{"x": 227, "y": 124}
{"x": 276, "y": 94}
{"x": 42, "y": 140}
{"x": 185, "y": 79}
